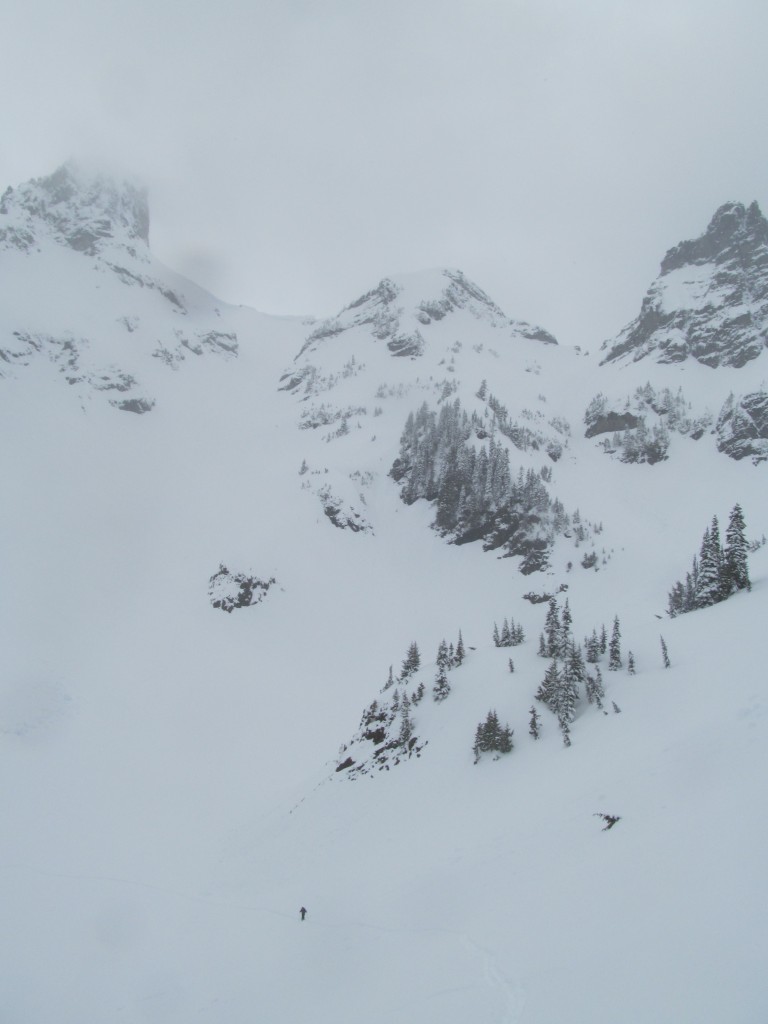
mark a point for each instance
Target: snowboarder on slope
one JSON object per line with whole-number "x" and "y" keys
{"x": 303, "y": 913}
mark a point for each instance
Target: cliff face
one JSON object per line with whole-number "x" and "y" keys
{"x": 710, "y": 301}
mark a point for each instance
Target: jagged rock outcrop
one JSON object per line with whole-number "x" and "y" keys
{"x": 742, "y": 427}
{"x": 229, "y": 590}
{"x": 710, "y": 301}
{"x": 75, "y": 209}
{"x": 106, "y": 313}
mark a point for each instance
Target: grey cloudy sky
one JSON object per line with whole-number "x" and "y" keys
{"x": 299, "y": 150}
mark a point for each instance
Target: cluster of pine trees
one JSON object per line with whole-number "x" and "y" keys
{"x": 717, "y": 571}
{"x": 447, "y": 658}
{"x": 492, "y": 737}
{"x": 637, "y": 442}
{"x": 641, "y": 444}
{"x": 511, "y": 634}
{"x": 388, "y": 724}
{"x": 567, "y": 673}
{"x": 476, "y": 495}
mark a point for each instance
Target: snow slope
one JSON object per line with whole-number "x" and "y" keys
{"x": 170, "y": 797}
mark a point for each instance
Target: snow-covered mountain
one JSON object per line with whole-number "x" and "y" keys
{"x": 710, "y": 300}
{"x": 402, "y": 511}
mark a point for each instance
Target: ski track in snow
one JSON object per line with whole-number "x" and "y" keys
{"x": 489, "y": 971}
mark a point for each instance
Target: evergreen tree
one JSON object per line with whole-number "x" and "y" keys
{"x": 595, "y": 689}
{"x": 631, "y": 663}
{"x": 411, "y": 662}
{"x": 553, "y": 631}
{"x": 542, "y": 651}
{"x": 592, "y": 648}
{"x": 574, "y": 671}
{"x": 603, "y": 640}
{"x": 534, "y": 726}
{"x": 505, "y": 639}
{"x": 664, "y": 652}
{"x": 565, "y": 629}
{"x": 442, "y": 687}
{"x": 708, "y": 584}
{"x": 490, "y": 735}
{"x": 676, "y": 600}
{"x": 735, "y": 568}
{"x": 614, "y": 653}
{"x": 505, "y": 740}
{"x": 511, "y": 665}
{"x": 549, "y": 686}
{"x": 460, "y": 652}
{"x": 564, "y": 704}
{"x": 390, "y": 679}
{"x": 442, "y": 660}
{"x": 496, "y": 636}
{"x": 406, "y": 726}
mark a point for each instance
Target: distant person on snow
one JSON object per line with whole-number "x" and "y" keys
{"x": 303, "y": 913}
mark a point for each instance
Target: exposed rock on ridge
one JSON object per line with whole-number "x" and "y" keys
{"x": 75, "y": 209}
{"x": 710, "y": 301}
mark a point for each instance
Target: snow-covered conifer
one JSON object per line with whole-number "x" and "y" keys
{"x": 411, "y": 662}
{"x": 442, "y": 687}
{"x": 549, "y": 684}
{"x": 553, "y": 631}
{"x": 460, "y": 654}
{"x": 735, "y": 569}
{"x": 664, "y": 652}
{"x": 614, "y": 653}
{"x": 442, "y": 660}
{"x": 534, "y": 724}
{"x": 708, "y": 584}
{"x": 595, "y": 688}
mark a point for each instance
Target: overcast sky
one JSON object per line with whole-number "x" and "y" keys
{"x": 297, "y": 151}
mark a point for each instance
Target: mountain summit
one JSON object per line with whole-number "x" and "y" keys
{"x": 710, "y": 301}
{"x": 75, "y": 208}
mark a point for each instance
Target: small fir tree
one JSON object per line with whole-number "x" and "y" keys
{"x": 595, "y": 688}
{"x": 553, "y": 631}
{"x": 631, "y": 663}
{"x": 664, "y": 652}
{"x": 534, "y": 724}
{"x": 411, "y": 662}
{"x": 442, "y": 687}
{"x": 460, "y": 654}
{"x": 511, "y": 665}
{"x": 614, "y": 651}
{"x": 442, "y": 660}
